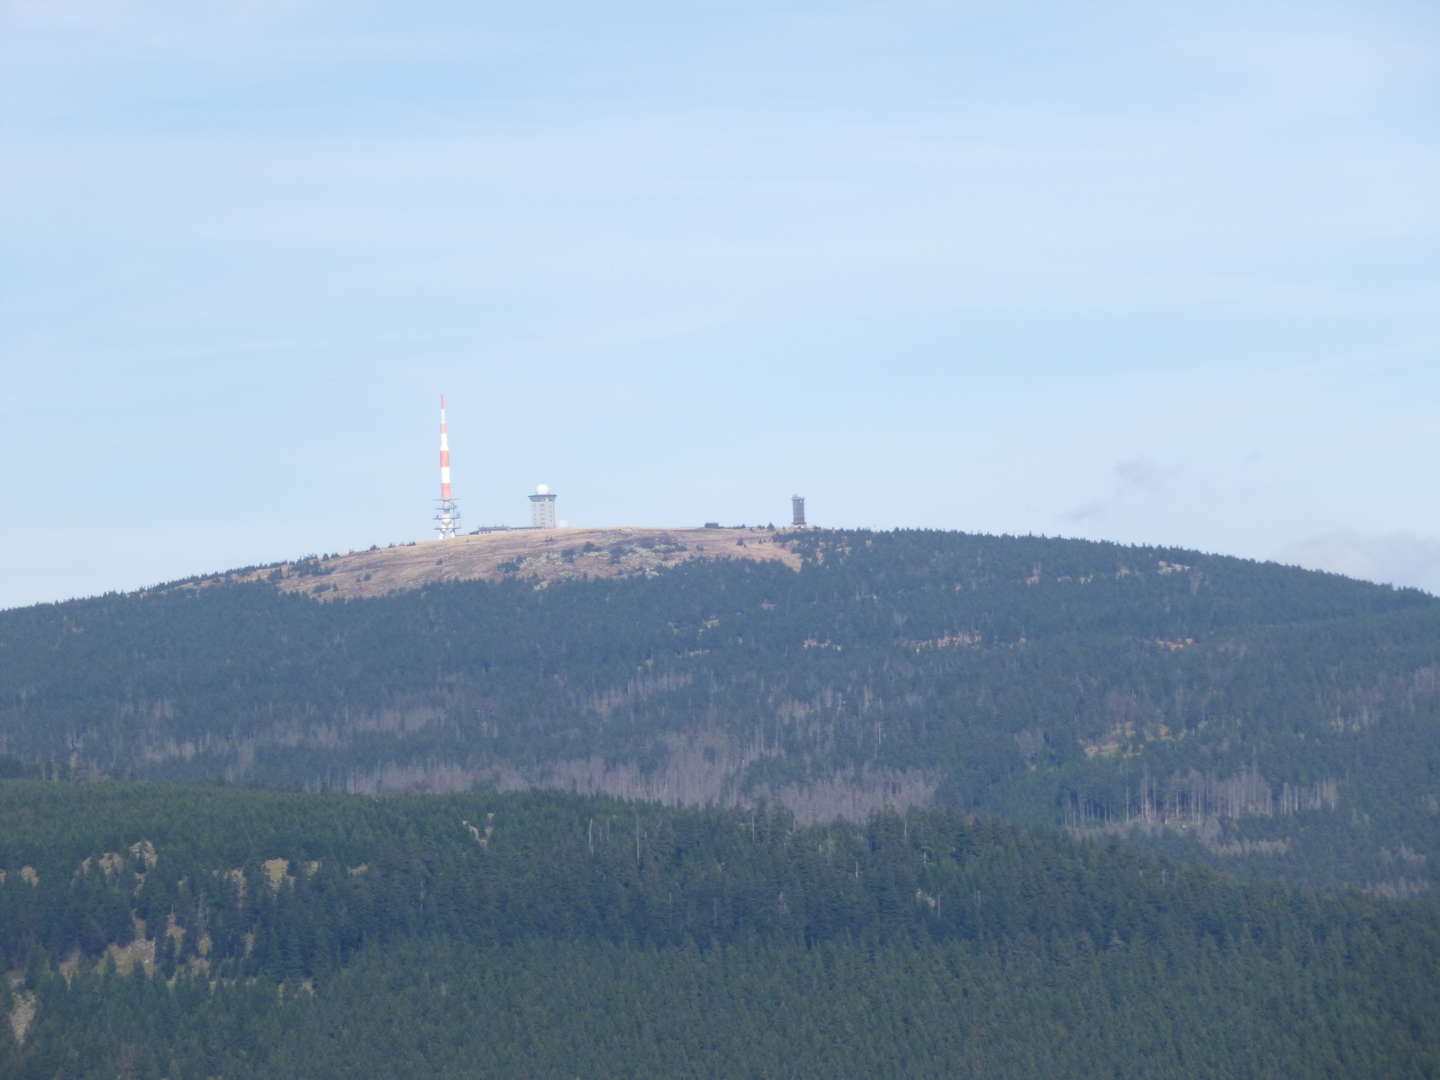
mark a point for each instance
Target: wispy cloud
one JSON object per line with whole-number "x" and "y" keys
{"x": 1132, "y": 480}
{"x": 1396, "y": 558}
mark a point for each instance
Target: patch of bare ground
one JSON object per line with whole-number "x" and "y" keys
{"x": 544, "y": 555}
{"x": 1399, "y": 889}
{"x": 700, "y": 769}
{"x": 857, "y": 796}
{"x": 140, "y": 951}
{"x": 22, "y": 1014}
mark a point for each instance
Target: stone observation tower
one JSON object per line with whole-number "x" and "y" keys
{"x": 797, "y": 511}
{"x": 542, "y": 508}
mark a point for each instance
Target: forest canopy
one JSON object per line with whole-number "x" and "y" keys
{"x": 1260, "y": 716}
{"x": 159, "y": 930}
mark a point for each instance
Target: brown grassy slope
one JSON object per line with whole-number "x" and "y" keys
{"x": 547, "y": 554}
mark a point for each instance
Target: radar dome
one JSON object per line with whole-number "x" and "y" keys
{"x": 542, "y": 489}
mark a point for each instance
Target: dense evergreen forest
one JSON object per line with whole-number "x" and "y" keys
{"x": 1270, "y": 719}
{"x": 155, "y": 930}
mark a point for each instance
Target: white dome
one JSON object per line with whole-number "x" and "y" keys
{"x": 542, "y": 489}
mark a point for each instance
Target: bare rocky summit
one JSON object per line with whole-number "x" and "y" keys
{"x": 547, "y": 555}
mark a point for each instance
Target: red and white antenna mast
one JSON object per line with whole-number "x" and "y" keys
{"x": 447, "y": 517}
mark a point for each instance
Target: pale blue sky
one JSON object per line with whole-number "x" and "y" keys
{"x": 1152, "y": 273}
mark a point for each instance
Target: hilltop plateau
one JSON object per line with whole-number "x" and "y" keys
{"x": 545, "y": 554}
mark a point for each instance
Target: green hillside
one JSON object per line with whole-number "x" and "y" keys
{"x": 1265, "y": 717}
{"x": 156, "y": 930}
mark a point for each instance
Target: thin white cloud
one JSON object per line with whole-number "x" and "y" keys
{"x": 1329, "y": 65}
{"x": 1396, "y": 558}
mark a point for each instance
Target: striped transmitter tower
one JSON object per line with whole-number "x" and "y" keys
{"x": 447, "y": 516}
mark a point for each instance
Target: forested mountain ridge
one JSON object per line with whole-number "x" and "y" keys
{"x": 1258, "y": 715}
{"x": 159, "y": 930}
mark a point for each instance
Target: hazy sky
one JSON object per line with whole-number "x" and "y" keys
{"x": 1147, "y": 272}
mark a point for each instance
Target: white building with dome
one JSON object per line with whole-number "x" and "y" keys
{"x": 542, "y": 508}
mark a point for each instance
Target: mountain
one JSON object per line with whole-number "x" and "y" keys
{"x": 1261, "y": 717}
{"x": 155, "y": 930}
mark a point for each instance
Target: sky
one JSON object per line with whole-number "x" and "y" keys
{"x": 1154, "y": 273}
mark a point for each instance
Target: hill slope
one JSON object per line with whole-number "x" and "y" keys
{"x": 550, "y": 935}
{"x": 1254, "y": 714}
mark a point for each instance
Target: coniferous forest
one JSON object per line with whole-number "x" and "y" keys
{"x": 1268, "y": 719}
{"x": 929, "y": 804}
{"x": 163, "y": 930}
